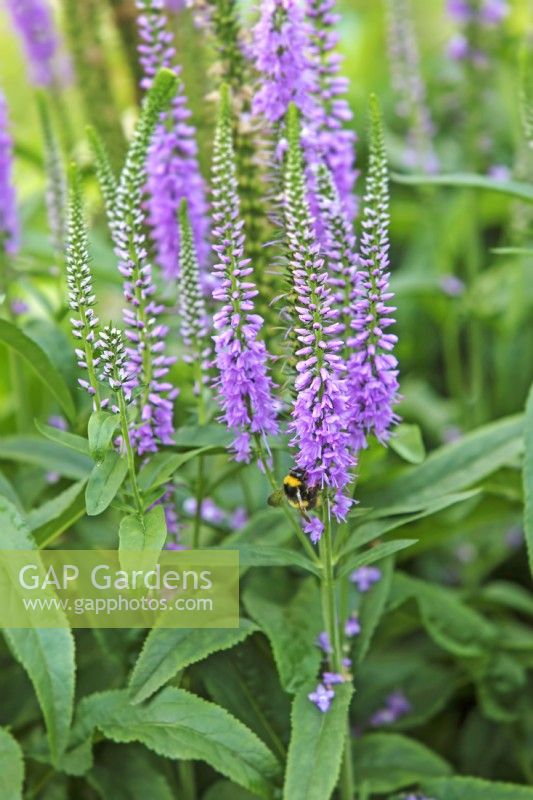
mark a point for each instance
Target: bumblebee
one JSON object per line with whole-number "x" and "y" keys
{"x": 298, "y": 492}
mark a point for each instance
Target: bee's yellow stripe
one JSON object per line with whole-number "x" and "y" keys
{"x": 290, "y": 480}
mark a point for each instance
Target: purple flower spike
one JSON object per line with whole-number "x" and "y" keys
{"x": 243, "y": 383}
{"x": 9, "y": 226}
{"x": 372, "y": 369}
{"x": 322, "y": 697}
{"x": 172, "y": 166}
{"x": 365, "y": 577}
{"x": 34, "y": 22}
{"x": 281, "y": 48}
{"x": 320, "y": 407}
{"x": 335, "y": 143}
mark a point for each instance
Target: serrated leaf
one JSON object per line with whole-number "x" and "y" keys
{"x": 453, "y": 625}
{"x": 180, "y": 725}
{"x": 162, "y": 466}
{"x": 268, "y": 556}
{"x": 48, "y": 456}
{"x": 56, "y": 515}
{"x": 11, "y": 767}
{"x": 387, "y": 762}
{"x": 317, "y": 745}
{"x": 148, "y": 533}
{"x": 102, "y": 425}
{"x": 408, "y": 443}
{"x": 371, "y": 609}
{"x": 291, "y": 624}
{"x": 372, "y": 555}
{"x": 46, "y": 654}
{"x": 475, "y": 789}
{"x": 167, "y": 651}
{"x": 7, "y": 491}
{"x": 104, "y": 482}
{"x": 64, "y": 438}
{"x": 39, "y": 362}
{"x": 454, "y": 467}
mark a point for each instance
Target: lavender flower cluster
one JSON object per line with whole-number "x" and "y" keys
{"x": 9, "y": 226}
{"x": 474, "y": 19}
{"x": 34, "y": 22}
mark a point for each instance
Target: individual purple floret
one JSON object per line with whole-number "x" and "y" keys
{"x": 333, "y": 678}
{"x": 452, "y": 285}
{"x": 395, "y": 707}
{"x": 365, "y": 577}
{"x": 172, "y": 166}
{"x": 34, "y": 22}
{"x": 243, "y": 384}
{"x": 322, "y": 697}
{"x": 336, "y": 143}
{"x": 314, "y": 528}
{"x": 352, "y": 626}
{"x": 324, "y": 643}
{"x": 9, "y": 225}
{"x": 372, "y": 369}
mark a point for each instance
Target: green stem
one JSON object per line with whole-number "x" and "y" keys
{"x": 331, "y": 620}
{"x": 199, "y": 503}
{"x": 129, "y": 454}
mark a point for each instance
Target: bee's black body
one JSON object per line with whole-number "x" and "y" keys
{"x": 298, "y": 492}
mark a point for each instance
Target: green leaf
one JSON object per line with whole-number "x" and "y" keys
{"x": 46, "y": 455}
{"x": 371, "y": 609}
{"x": 225, "y": 790}
{"x": 291, "y": 624}
{"x": 520, "y": 191}
{"x": 102, "y": 426}
{"x": 56, "y": 515}
{"x": 453, "y": 467}
{"x": 451, "y": 624}
{"x": 11, "y": 767}
{"x": 528, "y": 479}
{"x": 128, "y": 772}
{"x": 39, "y": 362}
{"x": 268, "y": 556}
{"x": 180, "y": 725}
{"x": 386, "y": 762}
{"x": 7, "y": 490}
{"x": 475, "y": 789}
{"x": 70, "y": 440}
{"x": 46, "y": 654}
{"x": 372, "y": 555}
{"x": 317, "y": 745}
{"x": 408, "y": 443}
{"x": 104, "y": 482}
{"x": 148, "y": 533}
{"x": 167, "y": 651}
{"x": 162, "y": 466}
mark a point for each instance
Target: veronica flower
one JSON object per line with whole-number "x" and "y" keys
{"x": 243, "y": 383}
{"x": 352, "y": 626}
{"x": 172, "y": 169}
{"x": 335, "y": 143}
{"x": 193, "y": 313}
{"x": 365, "y": 577}
{"x": 81, "y": 297}
{"x": 281, "y": 49}
{"x": 34, "y": 22}
{"x": 148, "y": 365}
{"x": 372, "y": 368}
{"x": 320, "y": 405}
{"x": 9, "y": 224}
{"x": 322, "y": 697}
{"x": 408, "y": 83}
{"x": 114, "y": 361}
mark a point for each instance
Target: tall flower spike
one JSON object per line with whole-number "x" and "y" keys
{"x": 55, "y": 183}
{"x": 372, "y": 369}
{"x": 9, "y": 225}
{"x": 243, "y": 383}
{"x": 281, "y": 48}
{"x": 114, "y": 359}
{"x": 194, "y": 320}
{"x": 408, "y": 83}
{"x": 35, "y": 25}
{"x": 81, "y": 296}
{"x": 319, "y": 411}
{"x": 338, "y": 241}
{"x": 172, "y": 166}
{"x": 335, "y": 142}
{"x": 147, "y": 363}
